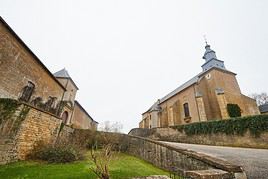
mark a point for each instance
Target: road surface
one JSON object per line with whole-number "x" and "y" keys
{"x": 253, "y": 161}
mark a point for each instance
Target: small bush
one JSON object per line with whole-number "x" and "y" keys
{"x": 57, "y": 154}
{"x": 234, "y": 110}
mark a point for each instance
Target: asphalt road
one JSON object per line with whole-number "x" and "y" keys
{"x": 253, "y": 161}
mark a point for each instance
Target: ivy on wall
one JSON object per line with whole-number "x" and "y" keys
{"x": 7, "y": 108}
{"x": 234, "y": 126}
{"x": 234, "y": 110}
{"x": 8, "y": 119}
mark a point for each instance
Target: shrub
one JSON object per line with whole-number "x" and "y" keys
{"x": 57, "y": 153}
{"x": 235, "y": 126}
{"x": 234, "y": 110}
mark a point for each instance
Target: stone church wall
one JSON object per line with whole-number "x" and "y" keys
{"x": 80, "y": 119}
{"x": 18, "y": 66}
{"x": 220, "y": 89}
{"x": 172, "y": 109}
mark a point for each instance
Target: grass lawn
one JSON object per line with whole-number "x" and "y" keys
{"x": 124, "y": 166}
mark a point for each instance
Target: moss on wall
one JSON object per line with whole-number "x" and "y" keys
{"x": 7, "y": 108}
{"x": 10, "y": 121}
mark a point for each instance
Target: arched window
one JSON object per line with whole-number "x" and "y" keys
{"x": 64, "y": 117}
{"x": 186, "y": 110}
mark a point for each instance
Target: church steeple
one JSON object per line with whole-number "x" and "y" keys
{"x": 209, "y": 54}
{"x": 211, "y": 59}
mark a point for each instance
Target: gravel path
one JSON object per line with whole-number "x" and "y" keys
{"x": 253, "y": 161}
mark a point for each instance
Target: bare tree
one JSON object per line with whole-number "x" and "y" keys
{"x": 261, "y": 98}
{"x": 108, "y": 126}
{"x": 102, "y": 159}
{"x": 108, "y": 149}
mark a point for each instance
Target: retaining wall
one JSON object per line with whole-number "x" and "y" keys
{"x": 173, "y": 135}
{"x": 22, "y": 128}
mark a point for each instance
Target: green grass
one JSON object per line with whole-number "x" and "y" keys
{"x": 125, "y": 166}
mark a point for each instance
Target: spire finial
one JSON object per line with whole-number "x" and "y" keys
{"x": 205, "y": 38}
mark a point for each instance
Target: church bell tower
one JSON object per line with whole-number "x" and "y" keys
{"x": 211, "y": 59}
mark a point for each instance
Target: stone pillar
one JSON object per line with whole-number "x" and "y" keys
{"x": 222, "y": 103}
{"x": 201, "y": 108}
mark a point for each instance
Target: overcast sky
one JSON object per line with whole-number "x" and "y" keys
{"x": 124, "y": 55}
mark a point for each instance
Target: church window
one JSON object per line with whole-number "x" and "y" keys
{"x": 27, "y": 92}
{"x": 186, "y": 110}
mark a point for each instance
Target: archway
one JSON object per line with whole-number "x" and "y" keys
{"x": 64, "y": 117}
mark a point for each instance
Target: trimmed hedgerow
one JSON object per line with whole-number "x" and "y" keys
{"x": 234, "y": 126}
{"x": 234, "y": 110}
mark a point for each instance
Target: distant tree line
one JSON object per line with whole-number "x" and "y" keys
{"x": 261, "y": 98}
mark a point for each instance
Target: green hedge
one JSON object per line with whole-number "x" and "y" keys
{"x": 234, "y": 126}
{"x": 234, "y": 110}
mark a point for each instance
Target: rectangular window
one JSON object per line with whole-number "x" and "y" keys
{"x": 186, "y": 110}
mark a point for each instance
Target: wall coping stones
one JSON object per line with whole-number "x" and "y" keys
{"x": 213, "y": 161}
{"x": 212, "y": 174}
{"x": 27, "y": 104}
{"x": 153, "y": 177}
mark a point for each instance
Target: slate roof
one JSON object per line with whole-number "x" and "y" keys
{"x": 180, "y": 88}
{"x": 64, "y": 74}
{"x": 263, "y": 108}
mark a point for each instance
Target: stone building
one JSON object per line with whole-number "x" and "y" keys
{"x": 264, "y": 109}
{"x": 81, "y": 118}
{"x": 202, "y": 98}
{"x": 25, "y": 78}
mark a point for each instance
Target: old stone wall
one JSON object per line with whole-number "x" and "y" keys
{"x": 19, "y": 67}
{"x": 38, "y": 126}
{"x": 172, "y": 110}
{"x": 181, "y": 161}
{"x": 174, "y": 135}
{"x": 80, "y": 118}
{"x": 71, "y": 89}
{"x": 22, "y": 127}
{"x": 215, "y": 102}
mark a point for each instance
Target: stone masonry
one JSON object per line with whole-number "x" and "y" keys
{"x": 23, "y": 129}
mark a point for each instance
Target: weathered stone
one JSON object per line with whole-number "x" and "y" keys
{"x": 209, "y": 174}
{"x": 174, "y": 135}
{"x": 206, "y": 98}
{"x": 153, "y": 177}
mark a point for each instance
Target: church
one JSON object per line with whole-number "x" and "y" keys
{"x": 203, "y": 98}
